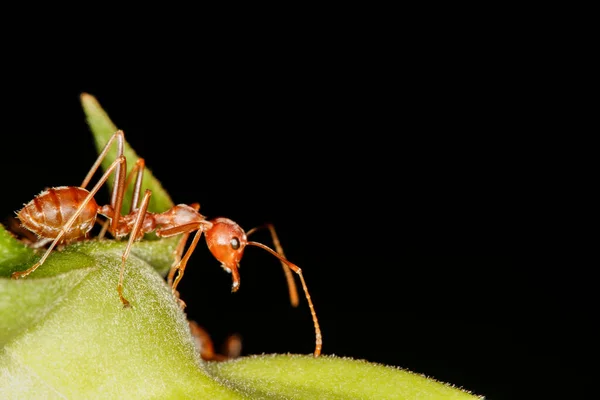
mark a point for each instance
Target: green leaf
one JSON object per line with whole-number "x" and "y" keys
{"x": 66, "y": 335}
{"x": 103, "y": 128}
{"x": 12, "y": 252}
{"x": 327, "y": 377}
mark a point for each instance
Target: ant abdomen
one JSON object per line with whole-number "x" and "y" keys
{"x": 48, "y": 212}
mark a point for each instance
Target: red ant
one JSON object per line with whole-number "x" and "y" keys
{"x": 46, "y": 214}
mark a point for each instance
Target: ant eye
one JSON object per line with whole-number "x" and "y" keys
{"x": 235, "y": 243}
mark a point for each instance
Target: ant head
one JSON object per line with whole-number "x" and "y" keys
{"x": 226, "y": 241}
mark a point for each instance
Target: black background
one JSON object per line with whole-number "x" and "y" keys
{"x": 393, "y": 186}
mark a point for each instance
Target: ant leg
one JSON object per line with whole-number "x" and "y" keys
{"x": 133, "y": 236}
{"x": 105, "y": 225}
{"x": 174, "y": 267}
{"x": 119, "y": 187}
{"x": 232, "y": 347}
{"x": 179, "y": 250}
{"x": 120, "y": 140}
{"x": 182, "y": 264}
{"x": 204, "y": 343}
{"x": 288, "y": 273}
{"x": 119, "y": 162}
{"x": 177, "y": 257}
{"x": 138, "y": 170}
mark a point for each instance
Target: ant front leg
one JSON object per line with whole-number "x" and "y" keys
{"x": 175, "y": 267}
{"x": 180, "y": 267}
{"x": 179, "y": 251}
{"x": 197, "y": 223}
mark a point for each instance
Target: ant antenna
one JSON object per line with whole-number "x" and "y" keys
{"x": 293, "y": 291}
{"x": 296, "y": 269}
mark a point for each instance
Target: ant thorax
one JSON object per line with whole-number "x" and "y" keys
{"x": 178, "y": 217}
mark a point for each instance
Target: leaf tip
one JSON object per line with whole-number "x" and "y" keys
{"x": 88, "y": 100}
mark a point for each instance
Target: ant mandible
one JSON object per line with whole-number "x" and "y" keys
{"x": 46, "y": 214}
